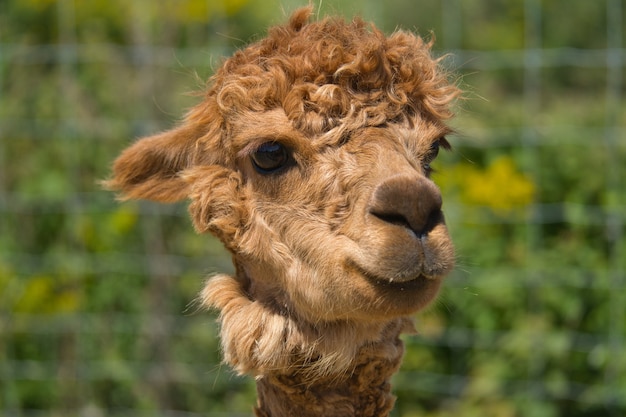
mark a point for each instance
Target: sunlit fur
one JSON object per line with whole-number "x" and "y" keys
{"x": 324, "y": 285}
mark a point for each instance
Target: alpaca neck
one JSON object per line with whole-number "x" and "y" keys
{"x": 364, "y": 391}
{"x": 339, "y": 369}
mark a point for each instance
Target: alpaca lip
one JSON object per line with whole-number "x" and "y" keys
{"x": 396, "y": 280}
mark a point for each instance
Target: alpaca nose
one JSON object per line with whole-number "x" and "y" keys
{"x": 412, "y": 202}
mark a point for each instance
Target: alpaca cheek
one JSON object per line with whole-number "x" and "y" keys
{"x": 323, "y": 290}
{"x": 216, "y": 205}
{"x": 260, "y": 244}
{"x": 312, "y": 299}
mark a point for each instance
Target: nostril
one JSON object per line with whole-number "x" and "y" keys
{"x": 434, "y": 219}
{"x": 410, "y": 202}
{"x": 392, "y": 218}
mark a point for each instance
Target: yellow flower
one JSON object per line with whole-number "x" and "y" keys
{"x": 500, "y": 186}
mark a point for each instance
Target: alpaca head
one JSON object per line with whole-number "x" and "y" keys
{"x": 309, "y": 158}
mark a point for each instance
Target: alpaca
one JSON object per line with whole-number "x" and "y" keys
{"x": 309, "y": 158}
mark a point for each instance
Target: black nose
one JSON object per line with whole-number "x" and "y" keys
{"x": 412, "y": 202}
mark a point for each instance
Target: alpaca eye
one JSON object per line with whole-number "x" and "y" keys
{"x": 269, "y": 157}
{"x": 433, "y": 151}
{"x": 432, "y": 154}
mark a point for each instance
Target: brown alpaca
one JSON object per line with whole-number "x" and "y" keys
{"x": 309, "y": 158}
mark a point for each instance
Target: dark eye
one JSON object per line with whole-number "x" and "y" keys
{"x": 433, "y": 152}
{"x": 269, "y": 157}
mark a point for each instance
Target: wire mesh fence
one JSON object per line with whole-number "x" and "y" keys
{"x": 97, "y": 313}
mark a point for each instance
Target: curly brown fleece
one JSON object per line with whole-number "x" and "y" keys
{"x": 344, "y": 239}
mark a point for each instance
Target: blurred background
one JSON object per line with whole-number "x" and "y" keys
{"x": 96, "y": 298}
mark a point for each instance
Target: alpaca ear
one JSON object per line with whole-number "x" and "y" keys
{"x": 150, "y": 168}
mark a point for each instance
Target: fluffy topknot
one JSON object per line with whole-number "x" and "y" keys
{"x": 332, "y": 72}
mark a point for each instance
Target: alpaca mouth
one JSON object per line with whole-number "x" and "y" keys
{"x": 398, "y": 295}
{"x": 399, "y": 279}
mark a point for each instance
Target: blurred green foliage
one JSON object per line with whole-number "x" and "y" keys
{"x": 96, "y": 298}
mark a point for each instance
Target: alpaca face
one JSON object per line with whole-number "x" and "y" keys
{"x": 309, "y": 158}
{"x": 349, "y": 231}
